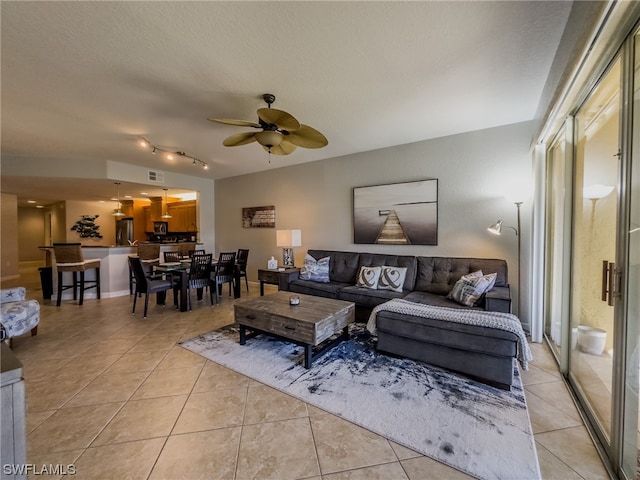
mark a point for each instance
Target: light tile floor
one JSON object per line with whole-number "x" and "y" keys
{"x": 112, "y": 394}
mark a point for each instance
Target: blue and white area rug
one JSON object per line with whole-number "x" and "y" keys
{"x": 475, "y": 428}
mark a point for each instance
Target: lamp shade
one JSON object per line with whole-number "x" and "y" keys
{"x": 288, "y": 238}
{"x": 269, "y": 138}
{"x": 597, "y": 191}
{"x": 496, "y": 228}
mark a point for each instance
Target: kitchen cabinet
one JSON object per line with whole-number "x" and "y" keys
{"x": 183, "y": 216}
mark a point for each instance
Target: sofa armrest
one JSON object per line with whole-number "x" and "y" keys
{"x": 498, "y": 299}
{"x": 287, "y": 276}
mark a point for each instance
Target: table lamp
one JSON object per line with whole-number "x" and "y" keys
{"x": 287, "y": 239}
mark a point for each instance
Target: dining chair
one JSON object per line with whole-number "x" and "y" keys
{"x": 196, "y": 252}
{"x": 69, "y": 258}
{"x": 241, "y": 262}
{"x": 148, "y": 283}
{"x": 224, "y": 272}
{"x": 172, "y": 256}
{"x": 149, "y": 253}
{"x": 199, "y": 275}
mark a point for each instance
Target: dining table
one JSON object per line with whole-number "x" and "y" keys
{"x": 182, "y": 269}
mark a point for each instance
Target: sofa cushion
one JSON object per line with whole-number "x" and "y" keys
{"x": 343, "y": 266}
{"x": 319, "y": 289}
{"x": 316, "y": 270}
{"x": 367, "y": 297}
{"x": 368, "y": 277}
{"x": 467, "y": 337}
{"x": 392, "y": 278}
{"x": 439, "y": 274}
{"x": 404, "y": 261}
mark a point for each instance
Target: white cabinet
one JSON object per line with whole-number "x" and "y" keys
{"x": 13, "y": 441}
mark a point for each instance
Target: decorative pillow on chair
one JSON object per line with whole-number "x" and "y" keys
{"x": 315, "y": 270}
{"x": 392, "y": 278}
{"x": 470, "y": 288}
{"x": 368, "y": 277}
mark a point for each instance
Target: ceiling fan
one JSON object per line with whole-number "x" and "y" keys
{"x": 280, "y": 132}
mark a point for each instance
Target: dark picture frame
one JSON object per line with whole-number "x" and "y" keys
{"x": 259, "y": 217}
{"x": 396, "y": 213}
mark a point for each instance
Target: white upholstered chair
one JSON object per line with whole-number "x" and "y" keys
{"x": 18, "y": 315}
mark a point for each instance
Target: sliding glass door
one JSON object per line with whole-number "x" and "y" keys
{"x": 631, "y": 139}
{"x": 595, "y": 229}
{"x": 592, "y": 256}
{"x": 558, "y": 241}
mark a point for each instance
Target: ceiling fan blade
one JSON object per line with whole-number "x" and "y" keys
{"x": 230, "y": 121}
{"x": 285, "y": 148}
{"x": 239, "y": 139}
{"x": 283, "y": 120}
{"x": 307, "y": 137}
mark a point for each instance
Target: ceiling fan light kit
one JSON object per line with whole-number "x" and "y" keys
{"x": 171, "y": 155}
{"x": 280, "y": 132}
{"x": 269, "y": 138}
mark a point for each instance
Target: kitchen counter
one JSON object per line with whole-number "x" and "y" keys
{"x": 114, "y": 268}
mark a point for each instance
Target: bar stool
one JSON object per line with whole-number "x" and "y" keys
{"x": 69, "y": 259}
{"x": 149, "y": 254}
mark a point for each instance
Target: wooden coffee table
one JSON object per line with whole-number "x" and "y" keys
{"x": 310, "y": 324}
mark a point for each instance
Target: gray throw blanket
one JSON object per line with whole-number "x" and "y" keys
{"x": 502, "y": 321}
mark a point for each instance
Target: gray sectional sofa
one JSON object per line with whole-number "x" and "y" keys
{"x": 483, "y": 353}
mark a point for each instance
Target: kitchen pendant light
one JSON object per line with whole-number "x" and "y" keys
{"x": 166, "y": 205}
{"x": 118, "y": 212}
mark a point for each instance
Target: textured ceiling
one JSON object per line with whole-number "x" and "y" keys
{"x": 84, "y": 80}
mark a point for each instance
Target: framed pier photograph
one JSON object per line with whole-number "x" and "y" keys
{"x": 396, "y": 213}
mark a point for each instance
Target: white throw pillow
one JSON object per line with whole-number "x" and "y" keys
{"x": 392, "y": 278}
{"x": 315, "y": 270}
{"x": 368, "y": 277}
{"x": 470, "y": 288}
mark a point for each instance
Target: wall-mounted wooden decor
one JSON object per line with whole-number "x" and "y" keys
{"x": 259, "y": 217}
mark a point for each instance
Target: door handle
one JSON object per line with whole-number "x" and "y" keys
{"x": 608, "y": 284}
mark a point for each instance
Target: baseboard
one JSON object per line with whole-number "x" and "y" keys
{"x": 32, "y": 264}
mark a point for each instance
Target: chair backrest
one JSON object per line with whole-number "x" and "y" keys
{"x": 138, "y": 271}
{"x": 242, "y": 257}
{"x": 172, "y": 256}
{"x": 226, "y": 264}
{"x": 200, "y": 271}
{"x": 196, "y": 252}
{"x": 68, "y": 252}
{"x": 149, "y": 251}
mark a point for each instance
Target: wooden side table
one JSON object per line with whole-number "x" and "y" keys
{"x": 276, "y": 277}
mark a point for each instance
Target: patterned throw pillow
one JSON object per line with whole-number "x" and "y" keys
{"x": 470, "y": 288}
{"x": 392, "y": 278}
{"x": 368, "y": 277}
{"x": 315, "y": 270}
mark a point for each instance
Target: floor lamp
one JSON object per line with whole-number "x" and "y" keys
{"x": 496, "y": 229}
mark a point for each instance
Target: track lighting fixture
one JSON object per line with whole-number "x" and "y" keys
{"x": 144, "y": 143}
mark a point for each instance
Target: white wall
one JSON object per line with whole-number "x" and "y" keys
{"x": 473, "y": 169}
